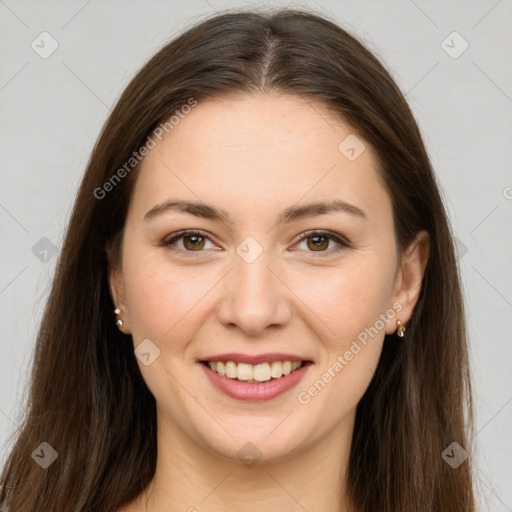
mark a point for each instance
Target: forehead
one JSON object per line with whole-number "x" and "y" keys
{"x": 260, "y": 150}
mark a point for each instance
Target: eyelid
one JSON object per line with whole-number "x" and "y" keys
{"x": 336, "y": 237}
{"x": 187, "y": 232}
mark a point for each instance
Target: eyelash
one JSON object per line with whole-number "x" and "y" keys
{"x": 310, "y": 234}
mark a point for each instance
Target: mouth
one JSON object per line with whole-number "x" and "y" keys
{"x": 254, "y": 382}
{"x": 257, "y": 373}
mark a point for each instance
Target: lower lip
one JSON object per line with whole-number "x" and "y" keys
{"x": 255, "y": 392}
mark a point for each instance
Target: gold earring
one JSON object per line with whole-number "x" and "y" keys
{"x": 400, "y": 328}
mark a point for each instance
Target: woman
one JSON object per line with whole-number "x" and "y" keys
{"x": 257, "y": 304}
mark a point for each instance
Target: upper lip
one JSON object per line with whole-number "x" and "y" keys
{"x": 254, "y": 359}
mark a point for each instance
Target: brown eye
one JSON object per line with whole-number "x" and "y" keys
{"x": 193, "y": 242}
{"x": 188, "y": 242}
{"x": 318, "y": 243}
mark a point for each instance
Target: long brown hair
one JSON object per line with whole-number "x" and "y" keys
{"x": 87, "y": 398}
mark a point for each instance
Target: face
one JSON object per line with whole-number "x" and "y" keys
{"x": 260, "y": 275}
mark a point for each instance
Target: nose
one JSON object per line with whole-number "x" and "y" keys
{"x": 254, "y": 298}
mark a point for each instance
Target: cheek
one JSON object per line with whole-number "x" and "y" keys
{"x": 348, "y": 302}
{"x": 348, "y": 299}
{"x": 163, "y": 300}
{"x": 348, "y": 305}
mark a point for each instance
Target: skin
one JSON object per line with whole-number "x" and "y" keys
{"x": 254, "y": 156}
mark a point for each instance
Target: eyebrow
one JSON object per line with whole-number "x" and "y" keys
{"x": 292, "y": 213}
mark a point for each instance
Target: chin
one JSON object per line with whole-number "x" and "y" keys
{"x": 258, "y": 439}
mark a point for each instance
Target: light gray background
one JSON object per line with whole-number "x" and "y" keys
{"x": 52, "y": 111}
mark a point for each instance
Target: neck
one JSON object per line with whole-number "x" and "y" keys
{"x": 192, "y": 478}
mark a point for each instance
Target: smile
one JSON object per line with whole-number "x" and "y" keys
{"x": 254, "y": 383}
{"x": 263, "y": 372}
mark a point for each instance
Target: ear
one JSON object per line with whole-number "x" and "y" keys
{"x": 116, "y": 288}
{"x": 409, "y": 277}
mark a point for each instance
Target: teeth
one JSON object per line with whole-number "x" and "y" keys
{"x": 244, "y": 372}
{"x": 262, "y": 372}
{"x": 254, "y": 373}
{"x": 276, "y": 369}
{"x": 231, "y": 370}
